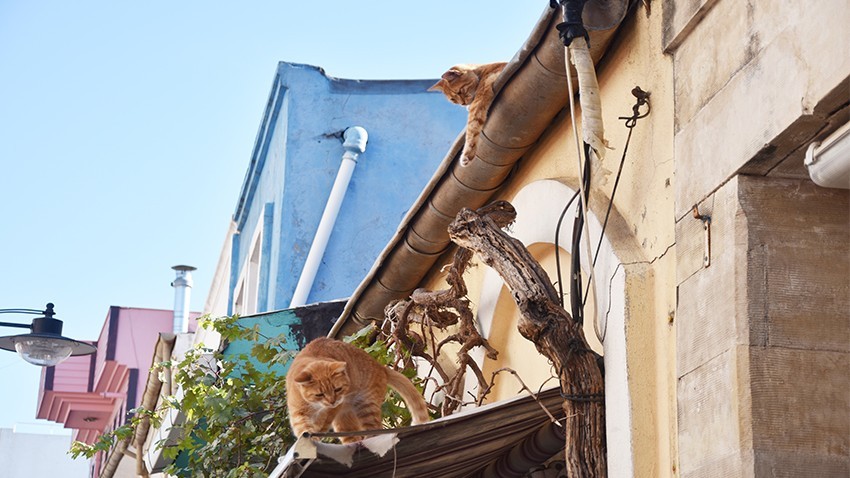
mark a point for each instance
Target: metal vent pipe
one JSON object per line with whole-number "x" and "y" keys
{"x": 182, "y": 292}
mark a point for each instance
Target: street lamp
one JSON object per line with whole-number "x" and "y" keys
{"x": 44, "y": 345}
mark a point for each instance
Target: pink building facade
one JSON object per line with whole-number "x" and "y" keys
{"x": 93, "y": 394}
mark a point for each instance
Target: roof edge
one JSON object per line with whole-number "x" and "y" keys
{"x": 535, "y": 77}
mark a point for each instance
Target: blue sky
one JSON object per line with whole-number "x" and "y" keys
{"x": 126, "y": 130}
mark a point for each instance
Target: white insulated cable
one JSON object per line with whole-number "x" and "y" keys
{"x": 586, "y": 75}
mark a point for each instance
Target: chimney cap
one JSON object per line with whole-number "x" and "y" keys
{"x": 184, "y": 268}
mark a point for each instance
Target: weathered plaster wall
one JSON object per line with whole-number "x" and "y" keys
{"x": 641, "y": 232}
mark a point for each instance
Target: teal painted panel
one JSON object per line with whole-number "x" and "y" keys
{"x": 299, "y": 326}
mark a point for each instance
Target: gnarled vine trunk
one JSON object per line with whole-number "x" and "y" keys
{"x": 545, "y": 323}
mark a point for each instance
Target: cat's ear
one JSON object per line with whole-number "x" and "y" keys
{"x": 338, "y": 368}
{"x": 451, "y": 75}
{"x": 447, "y": 78}
{"x": 438, "y": 86}
{"x": 303, "y": 377}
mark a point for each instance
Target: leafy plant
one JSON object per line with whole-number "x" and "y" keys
{"x": 234, "y": 406}
{"x": 394, "y": 412}
{"x": 235, "y": 418}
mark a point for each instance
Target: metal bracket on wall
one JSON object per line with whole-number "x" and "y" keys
{"x": 706, "y": 226}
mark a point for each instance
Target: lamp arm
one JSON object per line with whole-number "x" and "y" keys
{"x": 20, "y": 326}
{"x": 21, "y": 311}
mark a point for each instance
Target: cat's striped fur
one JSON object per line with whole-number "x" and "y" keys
{"x": 472, "y": 86}
{"x": 332, "y": 384}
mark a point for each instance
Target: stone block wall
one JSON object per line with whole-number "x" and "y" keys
{"x": 763, "y": 332}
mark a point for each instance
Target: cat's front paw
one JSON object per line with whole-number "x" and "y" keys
{"x": 465, "y": 159}
{"x": 349, "y": 440}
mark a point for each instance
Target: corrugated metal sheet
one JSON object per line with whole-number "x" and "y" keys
{"x": 503, "y": 439}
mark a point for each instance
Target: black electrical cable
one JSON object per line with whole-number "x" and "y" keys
{"x": 576, "y": 304}
{"x": 610, "y": 205}
{"x": 558, "y": 247}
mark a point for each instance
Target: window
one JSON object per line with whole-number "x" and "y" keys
{"x": 247, "y": 287}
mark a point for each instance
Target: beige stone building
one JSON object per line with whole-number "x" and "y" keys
{"x": 721, "y": 297}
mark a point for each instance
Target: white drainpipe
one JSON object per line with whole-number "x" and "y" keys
{"x": 355, "y": 144}
{"x": 182, "y": 292}
{"x": 828, "y": 161}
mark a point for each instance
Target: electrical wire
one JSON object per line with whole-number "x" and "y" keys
{"x": 576, "y": 305}
{"x": 558, "y": 247}
{"x": 631, "y": 122}
{"x": 578, "y": 309}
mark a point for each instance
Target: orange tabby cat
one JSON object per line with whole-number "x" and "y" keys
{"x": 472, "y": 86}
{"x": 334, "y": 384}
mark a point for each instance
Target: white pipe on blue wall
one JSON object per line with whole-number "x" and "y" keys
{"x": 354, "y": 144}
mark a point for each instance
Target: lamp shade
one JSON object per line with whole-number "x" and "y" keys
{"x": 45, "y": 346}
{"x": 45, "y": 350}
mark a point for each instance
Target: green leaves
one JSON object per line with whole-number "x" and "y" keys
{"x": 235, "y": 421}
{"x": 233, "y": 407}
{"x": 395, "y": 413}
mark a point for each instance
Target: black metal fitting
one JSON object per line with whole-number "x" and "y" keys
{"x": 573, "y": 26}
{"x": 642, "y": 98}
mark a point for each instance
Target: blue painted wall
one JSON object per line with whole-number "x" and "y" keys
{"x": 294, "y": 164}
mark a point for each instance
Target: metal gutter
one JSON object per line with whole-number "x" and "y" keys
{"x": 828, "y": 161}
{"x": 530, "y": 94}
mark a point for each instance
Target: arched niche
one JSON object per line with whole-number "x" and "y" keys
{"x": 539, "y": 206}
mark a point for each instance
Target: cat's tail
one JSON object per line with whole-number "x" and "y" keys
{"x": 414, "y": 401}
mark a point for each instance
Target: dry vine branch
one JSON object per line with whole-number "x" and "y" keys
{"x": 546, "y": 324}
{"x": 441, "y": 309}
{"x": 524, "y": 387}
